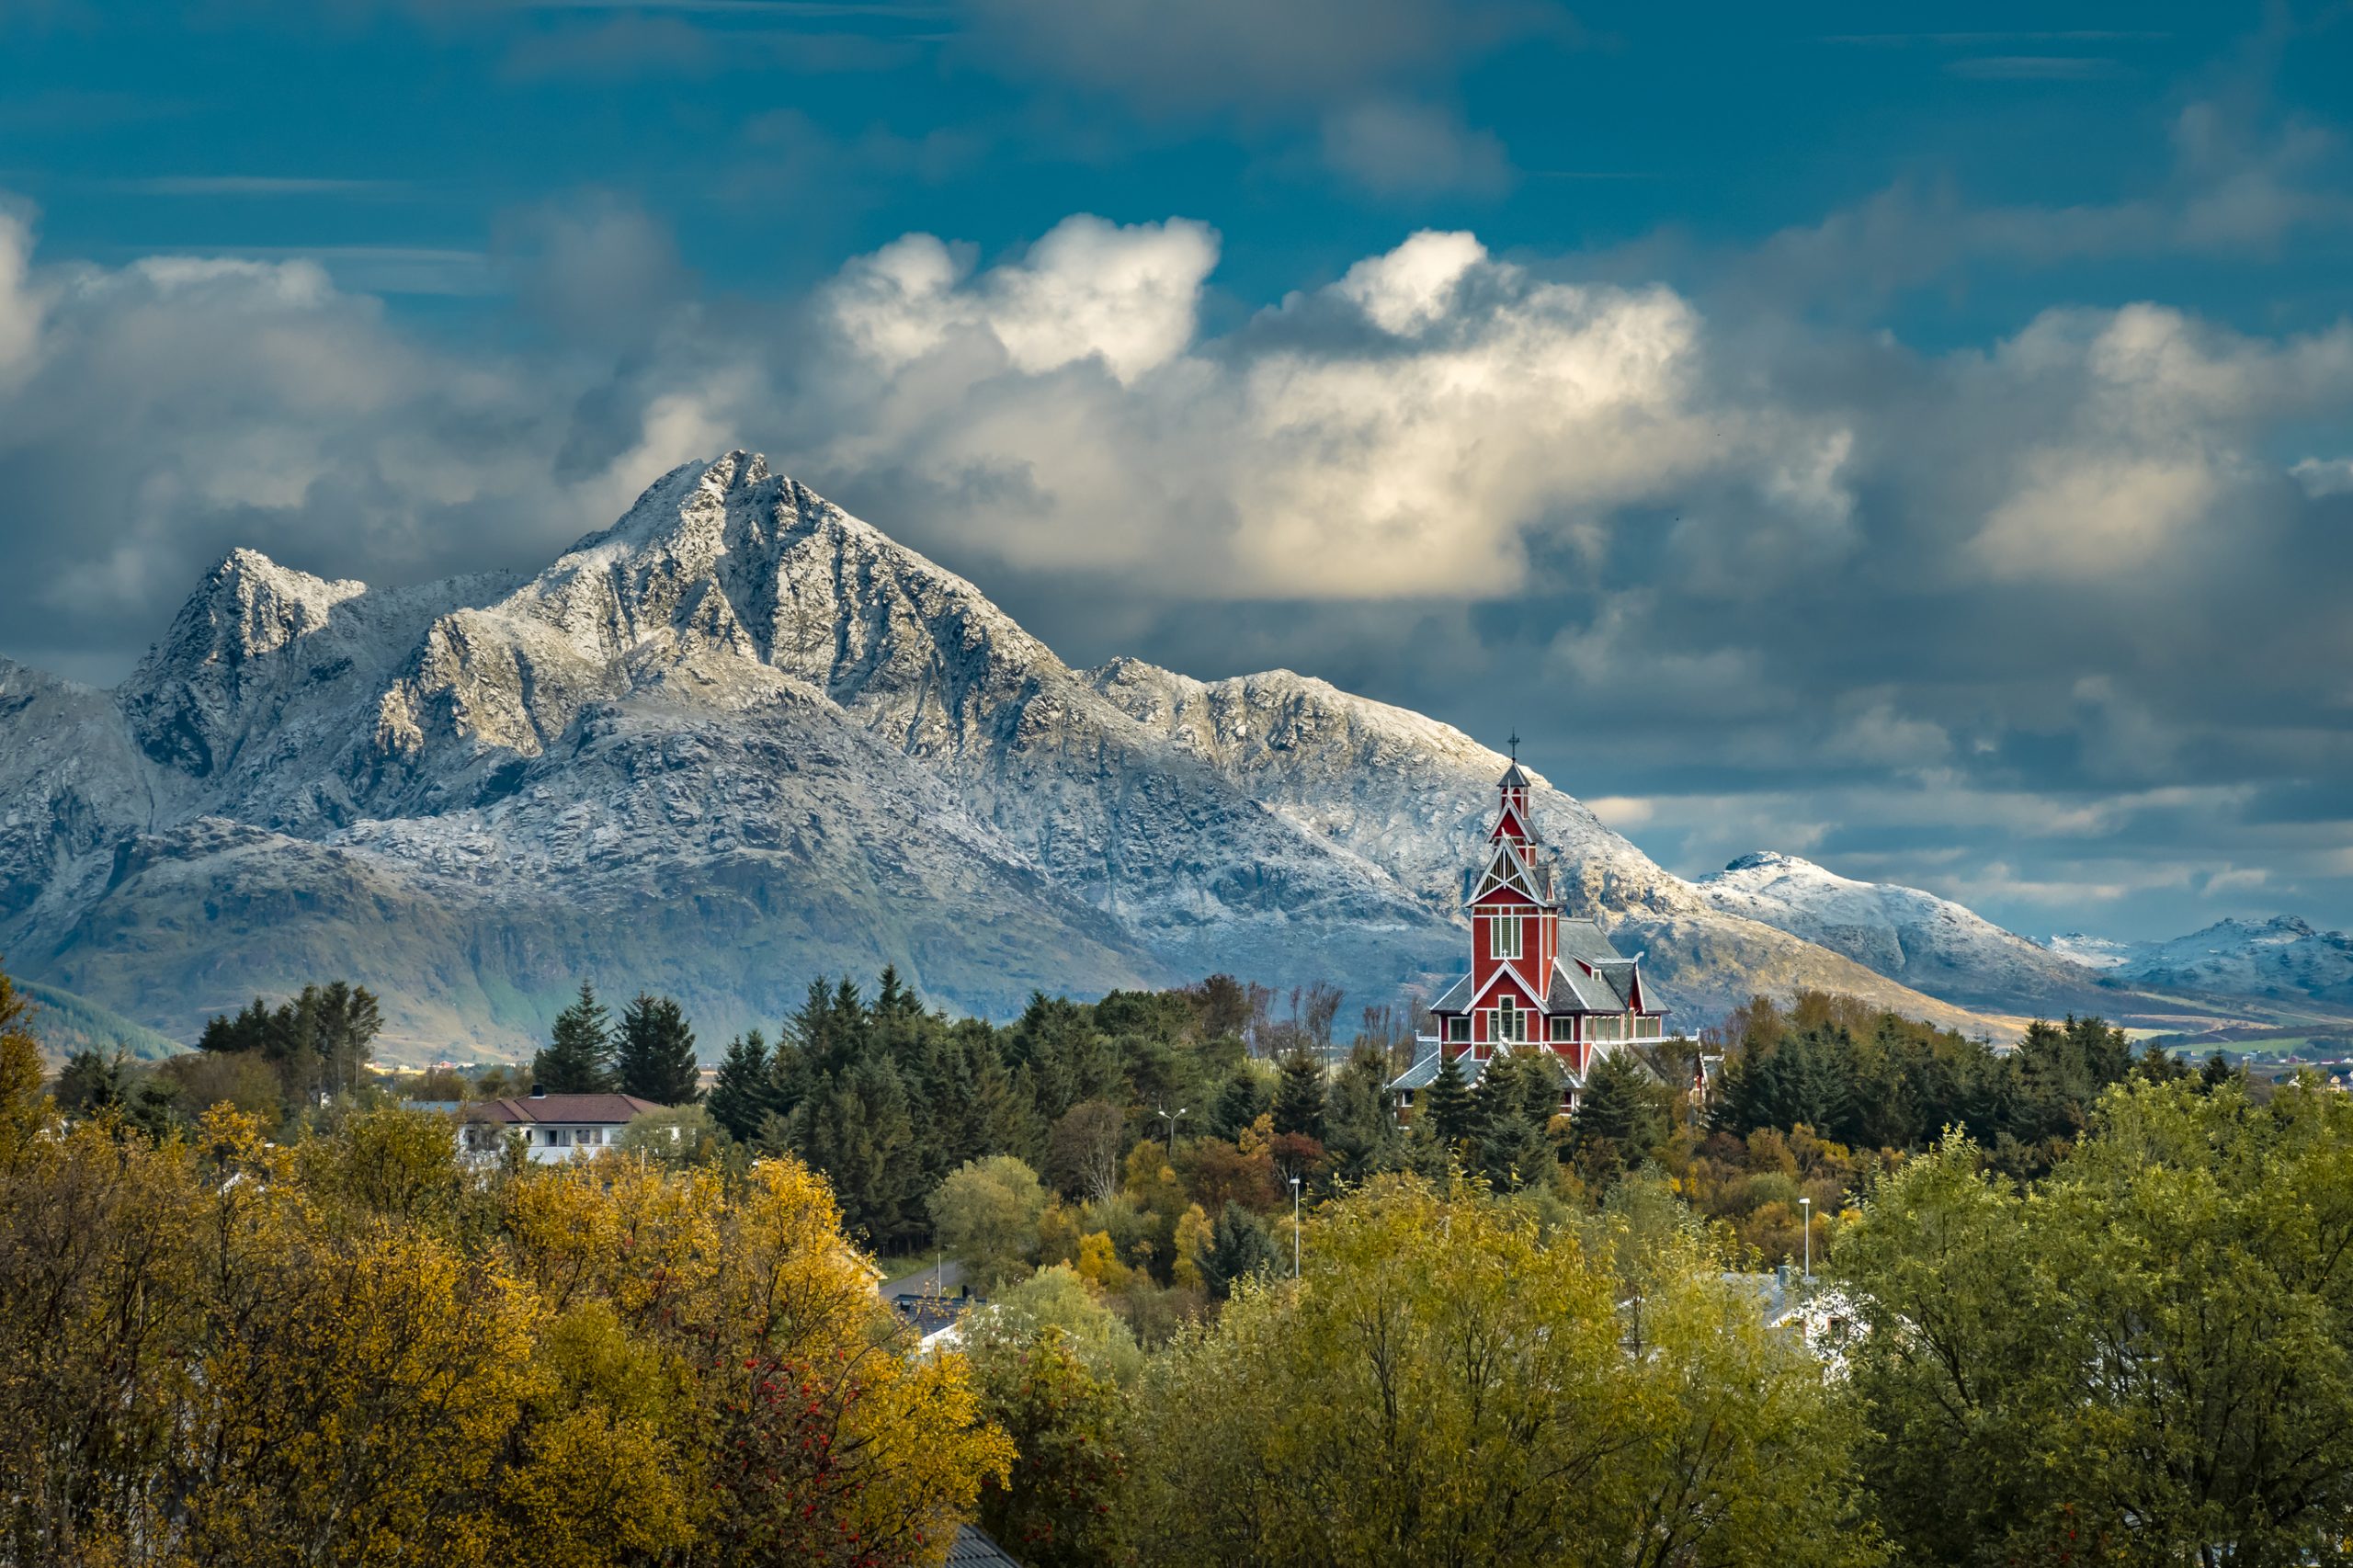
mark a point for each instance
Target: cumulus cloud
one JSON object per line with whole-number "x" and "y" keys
{"x": 1405, "y": 430}
{"x": 2072, "y": 588}
{"x": 1089, "y": 289}
{"x": 2157, "y": 418}
{"x": 155, "y": 414}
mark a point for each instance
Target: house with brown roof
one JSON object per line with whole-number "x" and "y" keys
{"x": 554, "y": 1127}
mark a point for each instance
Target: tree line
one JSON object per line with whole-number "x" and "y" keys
{"x": 2128, "y": 1338}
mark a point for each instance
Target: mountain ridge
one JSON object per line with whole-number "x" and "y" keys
{"x": 736, "y": 739}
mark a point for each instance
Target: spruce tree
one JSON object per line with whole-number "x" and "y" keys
{"x": 1619, "y": 1118}
{"x": 1240, "y": 1100}
{"x": 658, "y": 1052}
{"x": 1238, "y": 1247}
{"x": 740, "y": 1094}
{"x": 1360, "y": 1129}
{"x": 578, "y": 1057}
{"x": 1299, "y": 1096}
{"x": 1515, "y": 1103}
{"x": 1447, "y": 1109}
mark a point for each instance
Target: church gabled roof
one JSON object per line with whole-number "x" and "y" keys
{"x": 1507, "y": 868}
{"x": 1424, "y": 1071}
{"x": 1575, "y": 991}
{"x": 1584, "y": 938}
{"x": 1452, "y": 999}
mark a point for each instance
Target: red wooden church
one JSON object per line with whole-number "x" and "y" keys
{"x": 1539, "y": 981}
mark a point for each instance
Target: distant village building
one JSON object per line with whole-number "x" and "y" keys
{"x": 554, "y": 1127}
{"x": 1539, "y": 982}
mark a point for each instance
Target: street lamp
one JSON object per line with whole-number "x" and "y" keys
{"x": 1807, "y": 1205}
{"x": 1170, "y": 1117}
{"x": 1294, "y": 1227}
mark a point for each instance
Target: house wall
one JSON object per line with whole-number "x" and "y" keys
{"x": 549, "y": 1143}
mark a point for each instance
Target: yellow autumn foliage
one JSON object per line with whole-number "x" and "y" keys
{"x": 362, "y": 1350}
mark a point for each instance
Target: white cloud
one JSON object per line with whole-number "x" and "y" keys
{"x": 1087, "y": 290}
{"x": 1402, "y": 431}
{"x": 20, "y": 309}
{"x": 2325, "y": 476}
{"x": 1412, "y": 286}
{"x": 2151, "y": 421}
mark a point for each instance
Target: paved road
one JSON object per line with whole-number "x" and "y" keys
{"x": 945, "y": 1279}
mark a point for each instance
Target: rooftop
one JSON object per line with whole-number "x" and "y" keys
{"x": 610, "y": 1110}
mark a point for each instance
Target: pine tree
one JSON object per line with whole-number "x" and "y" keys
{"x": 854, "y": 1129}
{"x": 578, "y": 1057}
{"x": 658, "y": 1052}
{"x": 740, "y": 1094}
{"x": 1299, "y": 1096}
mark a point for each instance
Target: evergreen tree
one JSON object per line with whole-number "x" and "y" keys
{"x": 1240, "y": 1100}
{"x": 853, "y": 1127}
{"x": 740, "y": 1094}
{"x": 578, "y": 1057}
{"x": 1447, "y": 1110}
{"x": 1620, "y": 1117}
{"x": 658, "y": 1052}
{"x": 1238, "y": 1247}
{"x": 1299, "y": 1096}
{"x": 1514, "y": 1106}
{"x": 1361, "y": 1133}
{"x": 340, "y": 1022}
{"x": 321, "y": 1040}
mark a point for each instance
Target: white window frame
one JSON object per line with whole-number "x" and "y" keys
{"x": 1497, "y": 926}
{"x": 1511, "y": 1020}
{"x": 1458, "y": 1029}
{"x": 1562, "y": 1027}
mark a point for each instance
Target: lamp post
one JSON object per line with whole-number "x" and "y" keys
{"x": 1294, "y": 1227}
{"x": 1171, "y": 1117}
{"x": 1806, "y": 1204}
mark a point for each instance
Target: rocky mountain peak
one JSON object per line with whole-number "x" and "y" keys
{"x": 184, "y": 697}
{"x": 740, "y": 738}
{"x": 247, "y": 606}
{"x": 1770, "y": 861}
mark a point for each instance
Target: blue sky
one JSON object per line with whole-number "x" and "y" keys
{"x": 1923, "y": 441}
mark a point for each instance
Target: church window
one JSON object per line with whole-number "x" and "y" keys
{"x": 1459, "y": 1027}
{"x": 1503, "y": 937}
{"x": 1565, "y": 1026}
{"x": 1511, "y": 1023}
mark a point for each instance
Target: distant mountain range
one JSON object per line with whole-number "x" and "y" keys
{"x": 741, "y": 739}
{"x": 2282, "y": 957}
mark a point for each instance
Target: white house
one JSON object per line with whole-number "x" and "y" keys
{"x": 554, "y": 1127}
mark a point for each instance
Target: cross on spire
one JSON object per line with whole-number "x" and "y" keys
{"x": 1515, "y": 744}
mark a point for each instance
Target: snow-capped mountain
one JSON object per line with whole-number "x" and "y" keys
{"x": 2282, "y": 957}
{"x": 2092, "y": 952}
{"x": 1928, "y": 943}
{"x": 736, "y": 739}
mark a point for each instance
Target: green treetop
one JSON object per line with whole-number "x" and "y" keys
{"x": 578, "y": 1057}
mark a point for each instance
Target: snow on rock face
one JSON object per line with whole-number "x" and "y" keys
{"x": 735, "y": 740}
{"x": 2092, "y": 952}
{"x": 2282, "y": 957}
{"x": 1928, "y": 942}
